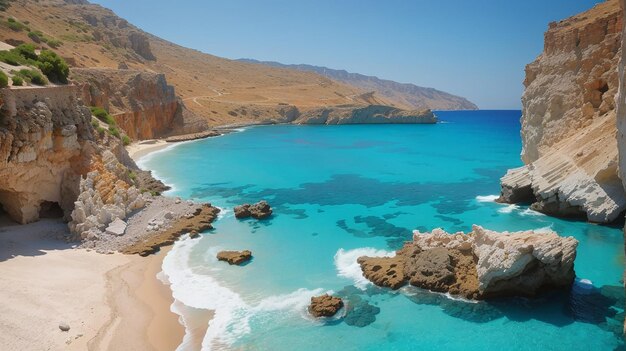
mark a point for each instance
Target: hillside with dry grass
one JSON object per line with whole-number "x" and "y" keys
{"x": 220, "y": 90}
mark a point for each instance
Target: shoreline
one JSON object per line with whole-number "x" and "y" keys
{"x": 108, "y": 301}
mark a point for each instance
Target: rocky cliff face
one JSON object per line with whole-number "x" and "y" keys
{"x": 568, "y": 123}
{"x": 45, "y": 143}
{"x": 52, "y": 162}
{"x": 142, "y": 103}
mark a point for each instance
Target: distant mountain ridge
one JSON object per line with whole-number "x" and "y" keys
{"x": 411, "y": 95}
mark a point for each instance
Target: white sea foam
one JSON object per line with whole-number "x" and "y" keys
{"x": 348, "y": 267}
{"x": 232, "y": 314}
{"x": 531, "y": 212}
{"x": 487, "y": 198}
{"x": 225, "y": 213}
{"x": 546, "y": 229}
{"x": 508, "y": 209}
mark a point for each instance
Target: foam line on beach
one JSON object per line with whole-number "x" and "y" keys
{"x": 232, "y": 315}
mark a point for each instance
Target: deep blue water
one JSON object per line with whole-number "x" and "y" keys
{"x": 339, "y": 192}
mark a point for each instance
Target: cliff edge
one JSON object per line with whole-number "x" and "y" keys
{"x": 569, "y": 121}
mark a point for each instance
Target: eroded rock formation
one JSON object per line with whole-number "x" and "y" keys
{"x": 45, "y": 145}
{"x": 478, "y": 265}
{"x": 105, "y": 196}
{"x": 568, "y": 123}
{"x": 325, "y": 306}
{"x": 142, "y": 103}
{"x": 52, "y": 159}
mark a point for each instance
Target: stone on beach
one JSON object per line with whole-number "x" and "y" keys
{"x": 235, "y": 257}
{"x": 64, "y": 326}
{"x": 117, "y": 227}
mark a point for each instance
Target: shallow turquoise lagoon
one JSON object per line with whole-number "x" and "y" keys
{"x": 339, "y": 192}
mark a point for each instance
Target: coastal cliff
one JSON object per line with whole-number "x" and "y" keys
{"x": 54, "y": 163}
{"x": 142, "y": 103}
{"x": 569, "y": 121}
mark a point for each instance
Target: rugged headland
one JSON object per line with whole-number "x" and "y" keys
{"x": 478, "y": 265}
{"x": 569, "y": 121}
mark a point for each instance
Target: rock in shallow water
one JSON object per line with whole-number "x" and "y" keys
{"x": 481, "y": 264}
{"x": 325, "y": 305}
{"x": 235, "y": 257}
{"x": 260, "y": 210}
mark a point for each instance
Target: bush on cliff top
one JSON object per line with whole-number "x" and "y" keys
{"x": 51, "y": 64}
{"x": 4, "y": 80}
{"x": 17, "y": 81}
{"x": 32, "y": 76}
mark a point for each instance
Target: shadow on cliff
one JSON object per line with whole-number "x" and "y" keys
{"x": 31, "y": 239}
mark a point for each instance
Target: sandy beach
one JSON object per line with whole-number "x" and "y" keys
{"x": 142, "y": 148}
{"x": 110, "y": 302}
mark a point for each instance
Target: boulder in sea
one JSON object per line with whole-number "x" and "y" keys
{"x": 260, "y": 210}
{"x": 325, "y": 305}
{"x": 235, "y": 257}
{"x": 478, "y": 265}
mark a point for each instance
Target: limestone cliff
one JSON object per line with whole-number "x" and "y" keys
{"x": 568, "y": 122}
{"x": 53, "y": 163}
{"x": 142, "y": 103}
{"x": 45, "y": 143}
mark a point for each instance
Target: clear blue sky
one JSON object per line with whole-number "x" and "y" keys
{"x": 473, "y": 48}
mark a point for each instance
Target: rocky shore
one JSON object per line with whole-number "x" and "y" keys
{"x": 478, "y": 265}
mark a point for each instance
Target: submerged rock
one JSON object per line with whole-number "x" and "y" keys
{"x": 481, "y": 264}
{"x": 235, "y": 257}
{"x": 325, "y": 305}
{"x": 260, "y": 210}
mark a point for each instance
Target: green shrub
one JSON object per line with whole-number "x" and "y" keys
{"x": 17, "y": 81}
{"x": 14, "y": 25}
{"x": 54, "y": 43}
{"x": 53, "y": 66}
{"x": 103, "y": 115}
{"x": 4, "y": 80}
{"x": 114, "y": 131}
{"x": 32, "y": 76}
{"x": 27, "y": 51}
{"x": 12, "y": 58}
{"x": 95, "y": 124}
{"x": 34, "y": 37}
{"x": 100, "y": 130}
{"x": 126, "y": 139}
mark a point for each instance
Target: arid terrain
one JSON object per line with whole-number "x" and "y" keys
{"x": 220, "y": 90}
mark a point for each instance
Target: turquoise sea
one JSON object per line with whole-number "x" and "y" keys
{"x": 339, "y": 192}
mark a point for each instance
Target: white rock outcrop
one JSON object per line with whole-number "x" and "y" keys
{"x": 501, "y": 263}
{"x": 569, "y": 121}
{"x": 103, "y": 198}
